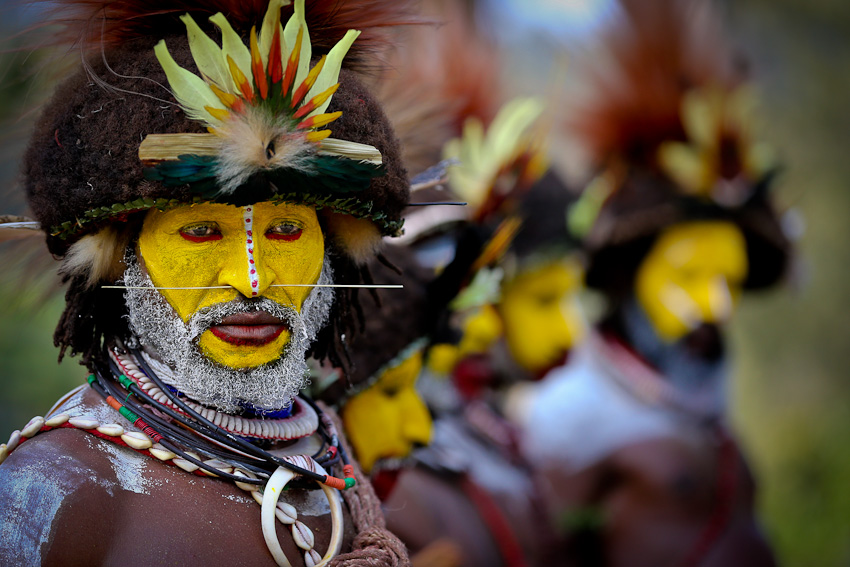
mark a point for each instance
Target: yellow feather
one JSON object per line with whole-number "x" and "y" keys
{"x": 191, "y": 92}
{"x": 267, "y": 31}
{"x": 290, "y": 35}
{"x": 218, "y": 113}
{"x": 330, "y": 72}
{"x": 231, "y": 44}
{"x": 226, "y": 99}
{"x": 318, "y": 135}
{"x": 207, "y": 54}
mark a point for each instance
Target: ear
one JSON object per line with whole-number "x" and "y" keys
{"x": 98, "y": 257}
{"x": 359, "y": 239}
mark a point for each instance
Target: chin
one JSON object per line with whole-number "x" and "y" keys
{"x": 385, "y": 473}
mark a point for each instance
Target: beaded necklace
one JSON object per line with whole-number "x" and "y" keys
{"x": 189, "y": 436}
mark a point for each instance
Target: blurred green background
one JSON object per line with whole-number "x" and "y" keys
{"x": 791, "y": 395}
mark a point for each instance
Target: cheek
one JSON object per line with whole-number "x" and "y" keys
{"x": 174, "y": 262}
{"x": 296, "y": 262}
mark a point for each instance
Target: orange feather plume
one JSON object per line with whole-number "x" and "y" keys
{"x": 439, "y": 76}
{"x": 653, "y": 53}
{"x": 98, "y": 24}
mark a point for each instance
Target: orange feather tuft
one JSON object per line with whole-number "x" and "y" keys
{"x": 260, "y": 81}
{"x": 99, "y": 24}
{"x": 654, "y": 53}
{"x": 316, "y": 101}
{"x": 292, "y": 64}
{"x": 308, "y": 82}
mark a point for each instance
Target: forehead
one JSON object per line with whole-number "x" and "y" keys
{"x": 707, "y": 243}
{"x": 562, "y": 275}
{"x": 228, "y": 214}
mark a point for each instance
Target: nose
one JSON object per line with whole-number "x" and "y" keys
{"x": 416, "y": 424}
{"x": 720, "y": 302}
{"x": 681, "y": 305}
{"x": 245, "y": 267}
{"x": 572, "y": 327}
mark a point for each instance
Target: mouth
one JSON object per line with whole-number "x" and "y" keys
{"x": 253, "y": 328}
{"x": 385, "y": 473}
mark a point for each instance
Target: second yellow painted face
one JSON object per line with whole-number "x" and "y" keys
{"x": 541, "y": 314}
{"x": 247, "y": 249}
{"x": 389, "y": 418}
{"x": 693, "y": 274}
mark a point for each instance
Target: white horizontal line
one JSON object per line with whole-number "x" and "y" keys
{"x": 361, "y": 286}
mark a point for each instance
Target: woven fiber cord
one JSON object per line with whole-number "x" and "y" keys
{"x": 374, "y": 545}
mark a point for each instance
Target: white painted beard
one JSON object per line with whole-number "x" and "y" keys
{"x": 163, "y": 334}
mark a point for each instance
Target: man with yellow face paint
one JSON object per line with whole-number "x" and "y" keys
{"x": 383, "y": 414}
{"x": 631, "y": 437}
{"x": 214, "y": 223}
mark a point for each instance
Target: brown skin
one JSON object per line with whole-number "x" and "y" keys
{"x": 424, "y": 508}
{"x": 654, "y": 500}
{"x": 177, "y": 519}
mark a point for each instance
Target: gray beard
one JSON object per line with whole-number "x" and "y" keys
{"x": 165, "y": 336}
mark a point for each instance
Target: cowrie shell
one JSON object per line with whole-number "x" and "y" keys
{"x": 185, "y": 465}
{"x": 303, "y": 535}
{"x": 111, "y": 429}
{"x": 33, "y": 427}
{"x": 57, "y": 420}
{"x": 84, "y": 422}
{"x": 137, "y": 440}
{"x": 161, "y": 452}
{"x": 312, "y": 558}
{"x": 13, "y": 441}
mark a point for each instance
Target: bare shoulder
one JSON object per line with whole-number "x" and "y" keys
{"x": 40, "y": 483}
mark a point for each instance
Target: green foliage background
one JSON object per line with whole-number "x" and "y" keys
{"x": 791, "y": 395}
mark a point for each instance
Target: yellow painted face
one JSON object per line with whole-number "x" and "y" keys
{"x": 481, "y": 328}
{"x": 693, "y": 274}
{"x": 541, "y": 314}
{"x": 389, "y": 418}
{"x": 249, "y": 250}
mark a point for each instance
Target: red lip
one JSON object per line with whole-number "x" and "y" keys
{"x": 252, "y": 328}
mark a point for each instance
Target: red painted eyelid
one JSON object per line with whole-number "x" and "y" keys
{"x": 285, "y": 237}
{"x": 208, "y": 238}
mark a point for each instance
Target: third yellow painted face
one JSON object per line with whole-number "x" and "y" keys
{"x": 388, "y": 419}
{"x": 693, "y": 274}
{"x": 249, "y": 250}
{"x": 541, "y": 315}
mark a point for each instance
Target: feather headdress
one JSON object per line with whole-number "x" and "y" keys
{"x": 264, "y": 109}
{"x": 96, "y": 25}
{"x": 667, "y": 121}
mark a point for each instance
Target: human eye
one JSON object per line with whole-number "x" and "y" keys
{"x": 284, "y": 230}
{"x": 201, "y": 232}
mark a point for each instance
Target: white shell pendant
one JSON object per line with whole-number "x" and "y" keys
{"x": 312, "y": 558}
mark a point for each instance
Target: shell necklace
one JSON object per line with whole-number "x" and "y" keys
{"x": 303, "y": 421}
